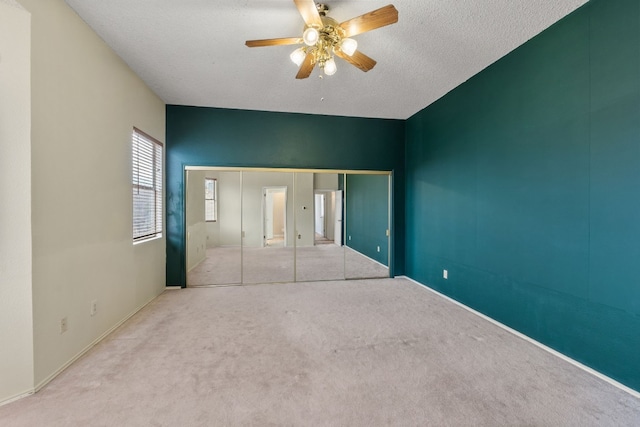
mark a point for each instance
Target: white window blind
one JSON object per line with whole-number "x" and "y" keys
{"x": 147, "y": 186}
{"x": 210, "y": 199}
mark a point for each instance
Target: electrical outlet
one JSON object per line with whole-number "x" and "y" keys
{"x": 349, "y": 237}
{"x": 63, "y": 325}
{"x": 378, "y": 248}
{"x": 94, "y": 307}
{"x": 445, "y": 274}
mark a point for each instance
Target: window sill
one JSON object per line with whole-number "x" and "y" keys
{"x": 150, "y": 239}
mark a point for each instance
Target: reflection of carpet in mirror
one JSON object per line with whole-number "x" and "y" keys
{"x": 322, "y": 240}
{"x": 276, "y": 242}
{"x": 358, "y": 266}
{"x": 223, "y": 265}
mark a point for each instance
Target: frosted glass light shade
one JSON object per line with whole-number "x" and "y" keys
{"x": 348, "y": 46}
{"x": 310, "y": 36}
{"x": 297, "y": 56}
{"x": 330, "y": 67}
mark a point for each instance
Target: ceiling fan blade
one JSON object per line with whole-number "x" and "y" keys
{"x": 309, "y": 12}
{"x": 358, "y": 59}
{"x": 273, "y": 42}
{"x": 306, "y": 68}
{"x": 370, "y": 21}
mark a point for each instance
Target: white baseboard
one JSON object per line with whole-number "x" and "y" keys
{"x": 18, "y": 396}
{"x": 556, "y": 353}
{"x": 198, "y": 263}
{"x": 82, "y": 352}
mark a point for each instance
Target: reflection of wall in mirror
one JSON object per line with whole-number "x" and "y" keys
{"x": 226, "y": 230}
{"x": 196, "y": 227}
{"x": 252, "y": 199}
{"x": 325, "y": 181}
{"x": 367, "y": 215}
{"x": 304, "y": 209}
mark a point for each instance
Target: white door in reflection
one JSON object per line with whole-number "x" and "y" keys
{"x": 337, "y": 229}
{"x": 320, "y": 206}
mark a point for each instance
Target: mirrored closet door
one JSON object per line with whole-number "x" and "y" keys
{"x": 268, "y": 205}
{"x": 319, "y": 250}
{"x": 213, "y": 227}
{"x": 247, "y": 226}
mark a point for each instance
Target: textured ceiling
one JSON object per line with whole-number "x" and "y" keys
{"x": 192, "y": 52}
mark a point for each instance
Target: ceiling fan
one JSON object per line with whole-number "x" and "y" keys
{"x": 324, "y": 36}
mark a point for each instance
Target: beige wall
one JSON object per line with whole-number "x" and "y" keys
{"x": 85, "y": 102}
{"x": 16, "y": 321}
{"x": 325, "y": 181}
{"x": 305, "y": 232}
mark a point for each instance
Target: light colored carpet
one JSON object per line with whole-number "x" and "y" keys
{"x": 322, "y": 240}
{"x": 233, "y": 265}
{"x": 345, "y": 353}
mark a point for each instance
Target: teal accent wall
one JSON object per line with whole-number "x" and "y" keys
{"x": 221, "y": 137}
{"x": 524, "y": 183}
{"x": 367, "y": 213}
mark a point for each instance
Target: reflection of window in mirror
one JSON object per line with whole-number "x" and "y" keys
{"x": 210, "y": 199}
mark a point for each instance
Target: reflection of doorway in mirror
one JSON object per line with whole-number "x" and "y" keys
{"x": 274, "y": 216}
{"x": 325, "y": 216}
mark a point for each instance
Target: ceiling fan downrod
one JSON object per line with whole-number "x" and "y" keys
{"x": 322, "y": 9}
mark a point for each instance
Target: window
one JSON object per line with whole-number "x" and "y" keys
{"x": 147, "y": 186}
{"x": 210, "y": 199}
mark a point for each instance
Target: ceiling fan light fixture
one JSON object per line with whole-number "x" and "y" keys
{"x": 310, "y": 36}
{"x": 330, "y": 67}
{"x": 297, "y": 56}
{"x": 348, "y": 46}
